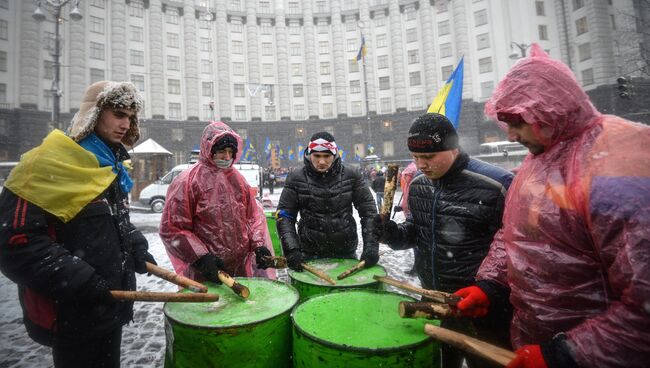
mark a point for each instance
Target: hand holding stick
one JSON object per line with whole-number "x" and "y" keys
{"x": 238, "y": 288}
{"x": 176, "y": 278}
{"x": 148, "y": 296}
{"x": 277, "y": 262}
{"x": 470, "y": 344}
{"x": 437, "y": 296}
{"x": 424, "y": 310}
{"x": 318, "y": 273}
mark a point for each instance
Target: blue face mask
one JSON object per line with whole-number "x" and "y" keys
{"x": 223, "y": 164}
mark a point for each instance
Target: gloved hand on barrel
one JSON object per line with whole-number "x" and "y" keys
{"x": 209, "y": 265}
{"x": 295, "y": 258}
{"x": 370, "y": 255}
{"x": 383, "y": 229}
{"x": 263, "y": 258}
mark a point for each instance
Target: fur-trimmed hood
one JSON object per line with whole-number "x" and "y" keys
{"x": 99, "y": 96}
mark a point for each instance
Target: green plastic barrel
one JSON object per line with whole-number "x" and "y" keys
{"x": 273, "y": 231}
{"x": 232, "y": 332}
{"x": 308, "y": 284}
{"x": 359, "y": 328}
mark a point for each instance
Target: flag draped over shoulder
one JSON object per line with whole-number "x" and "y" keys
{"x": 449, "y": 98}
{"x": 362, "y": 50}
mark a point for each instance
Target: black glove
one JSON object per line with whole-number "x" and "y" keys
{"x": 383, "y": 229}
{"x": 95, "y": 291}
{"x": 209, "y": 266}
{"x": 295, "y": 258}
{"x": 140, "y": 257}
{"x": 370, "y": 255}
{"x": 263, "y": 258}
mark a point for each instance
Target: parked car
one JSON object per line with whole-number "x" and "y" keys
{"x": 153, "y": 195}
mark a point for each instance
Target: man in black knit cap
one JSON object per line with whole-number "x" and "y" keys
{"x": 456, "y": 207}
{"x": 323, "y": 192}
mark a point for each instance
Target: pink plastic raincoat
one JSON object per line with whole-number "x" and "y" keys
{"x": 209, "y": 209}
{"x": 405, "y": 182}
{"x": 575, "y": 245}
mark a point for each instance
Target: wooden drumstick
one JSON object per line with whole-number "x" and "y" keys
{"x": 389, "y": 191}
{"x": 176, "y": 279}
{"x": 437, "y": 296}
{"x": 278, "y": 262}
{"x": 426, "y": 310}
{"x": 149, "y": 296}
{"x": 318, "y": 273}
{"x": 471, "y": 345}
{"x": 351, "y": 270}
{"x": 238, "y": 288}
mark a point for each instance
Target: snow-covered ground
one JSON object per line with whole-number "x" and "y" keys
{"x": 143, "y": 341}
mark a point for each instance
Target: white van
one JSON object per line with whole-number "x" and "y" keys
{"x": 153, "y": 195}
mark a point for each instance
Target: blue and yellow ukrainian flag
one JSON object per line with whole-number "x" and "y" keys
{"x": 301, "y": 148}
{"x": 357, "y": 154}
{"x": 267, "y": 148}
{"x": 449, "y": 98}
{"x": 362, "y": 50}
{"x": 291, "y": 154}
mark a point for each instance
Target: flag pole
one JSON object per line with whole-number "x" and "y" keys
{"x": 361, "y": 25}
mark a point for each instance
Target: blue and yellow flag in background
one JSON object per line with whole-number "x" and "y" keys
{"x": 357, "y": 154}
{"x": 267, "y": 148}
{"x": 449, "y": 98}
{"x": 300, "y": 152}
{"x": 291, "y": 155}
{"x": 249, "y": 151}
{"x": 362, "y": 50}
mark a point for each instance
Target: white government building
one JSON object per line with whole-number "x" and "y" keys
{"x": 288, "y": 59}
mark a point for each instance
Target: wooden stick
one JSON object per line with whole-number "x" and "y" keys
{"x": 176, "y": 279}
{"x": 389, "y": 190}
{"x": 424, "y": 310}
{"x": 320, "y": 274}
{"x": 148, "y": 296}
{"x": 437, "y": 296}
{"x": 278, "y": 262}
{"x": 471, "y": 345}
{"x": 238, "y": 288}
{"x": 351, "y": 270}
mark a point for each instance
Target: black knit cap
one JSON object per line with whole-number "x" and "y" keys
{"x": 227, "y": 141}
{"x": 432, "y": 132}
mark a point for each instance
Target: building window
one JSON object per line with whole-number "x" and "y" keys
{"x": 613, "y": 21}
{"x": 293, "y": 7}
{"x": 171, "y": 16}
{"x": 98, "y": 3}
{"x": 445, "y": 50}
{"x": 543, "y": 32}
{"x": 239, "y": 90}
{"x": 172, "y": 40}
{"x": 266, "y": 27}
{"x": 351, "y": 25}
{"x": 584, "y": 51}
{"x": 324, "y": 68}
{"x": 323, "y": 47}
{"x": 411, "y": 35}
{"x": 581, "y": 26}
{"x": 267, "y": 70}
{"x": 480, "y": 17}
{"x": 587, "y": 77}
{"x": 138, "y": 81}
{"x": 234, "y": 5}
{"x": 237, "y": 47}
{"x": 267, "y": 48}
{"x": 328, "y": 110}
{"x": 353, "y": 65}
{"x": 384, "y": 83}
{"x": 264, "y": 7}
{"x": 137, "y": 34}
{"x": 416, "y": 101}
{"x": 204, "y": 24}
{"x": 380, "y": 20}
{"x": 446, "y": 71}
{"x": 577, "y": 4}
{"x": 237, "y": 68}
{"x": 3, "y": 61}
{"x": 539, "y": 8}
{"x": 96, "y": 25}
{"x": 355, "y": 86}
{"x": 173, "y": 62}
{"x": 48, "y": 37}
{"x": 441, "y": 6}
{"x": 295, "y": 49}
{"x": 414, "y": 78}
{"x": 296, "y": 69}
{"x": 299, "y": 112}
{"x": 322, "y": 26}
{"x": 174, "y": 86}
{"x": 297, "y": 90}
{"x": 175, "y": 113}
{"x": 326, "y": 89}
{"x": 177, "y": 133}
{"x": 353, "y": 44}
{"x": 413, "y": 56}
{"x": 382, "y": 40}
{"x": 206, "y": 44}
{"x": 97, "y": 50}
{"x": 485, "y": 65}
{"x": 48, "y": 69}
{"x": 382, "y": 61}
{"x": 482, "y": 41}
{"x": 240, "y": 112}
{"x": 294, "y": 27}
{"x": 236, "y": 25}
{"x": 206, "y": 66}
{"x": 389, "y": 148}
{"x": 269, "y": 112}
{"x": 206, "y": 89}
{"x": 355, "y": 108}
{"x": 96, "y": 75}
{"x": 443, "y": 28}
{"x": 136, "y": 9}
{"x": 486, "y": 89}
{"x": 385, "y": 105}
{"x": 47, "y": 97}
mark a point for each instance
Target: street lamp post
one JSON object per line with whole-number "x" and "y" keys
{"x": 522, "y": 50}
{"x": 39, "y": 16}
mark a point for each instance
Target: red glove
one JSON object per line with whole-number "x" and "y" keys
{"x": 475, "y": 302}
{"x": 528, "y": 356}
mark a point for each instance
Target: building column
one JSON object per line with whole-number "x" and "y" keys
{"x": 77, "y": 72}
{"x": 252, "y": 47}
{"x": 223, "y": 61}
{"x": 364, "y": 16}
{"x": 398, "y": 84}
{"x": 461, "y": 35}
{"x": 31, "y": 45}
{"x": 311, "y": 61}
{"x": 284, "y": 84}
{"x": 118, "y": 41}
{"x": 191, "y": 72}
{"x": 339, "y": 68}
{"x": 155, "y": 50}
{"x": 428, "y": 57}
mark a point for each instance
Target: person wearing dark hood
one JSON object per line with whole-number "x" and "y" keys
{"x": 323, "y": 193}
{"x": 573, "y": 256}
{"x": 68, "y": 239}
{"x": 378, "y": 187}
{"x": 456, "y": 208}
{"x": 211, "y": 220}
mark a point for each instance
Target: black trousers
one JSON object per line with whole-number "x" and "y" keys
{"x": 495, "y": 333}
{"x": 103, "y": 351}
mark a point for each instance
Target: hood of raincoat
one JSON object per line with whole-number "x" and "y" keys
{"x": 213, "y": 210}
{"x": 573, "y": 249}
{"x": 546, "y": 94}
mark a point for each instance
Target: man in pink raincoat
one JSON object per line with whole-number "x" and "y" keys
{"x": 574, "y": 250}
{"x": 211, "y": 219}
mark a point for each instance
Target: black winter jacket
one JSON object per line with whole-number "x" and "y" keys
{"x": 326, "y": 228}
{"x": 53, "y": 264}
{"x": 378, "y": 184}
{"x": 453, "y": 220}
